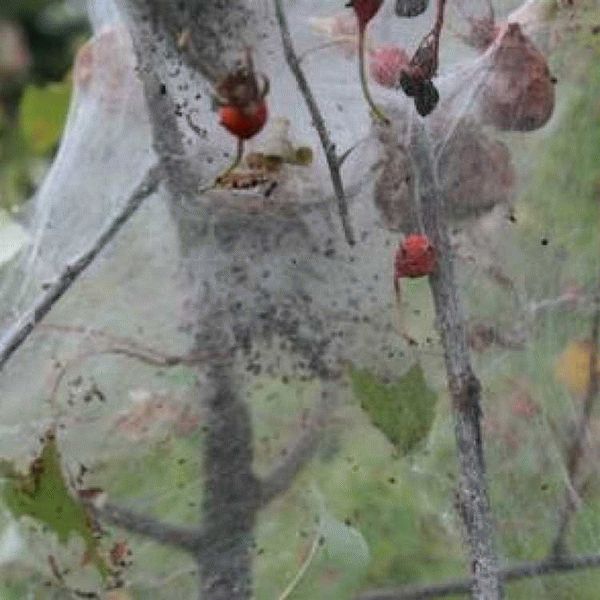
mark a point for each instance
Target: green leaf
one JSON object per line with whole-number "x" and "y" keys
{"x": 344, "y": 545}
{"x": 403, "y": 411}
{"x": 43, "y": 494}
{"x": 43, "y": 113}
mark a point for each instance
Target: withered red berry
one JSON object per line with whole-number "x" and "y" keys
{"x": 365, "y": 10}
{"x": 518, "y": 94}
{"x": 387, "y": 64}
{"x": 415, "y": 257}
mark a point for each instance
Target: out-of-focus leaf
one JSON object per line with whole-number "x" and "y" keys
{"x": 14, "y": 53}
{"x": 303, "y": 155}
{"x": 43, "y": 113}
{"x": 43, "y": 494}
{"x": 403, "y": 411}
{"x": 19, "y": 9}
{"x": 573, "y": 367}
{"x": 344, "y": 545}
{"x": 338, "y": 562}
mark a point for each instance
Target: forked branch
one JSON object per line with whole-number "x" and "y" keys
{"x": 184, "y": 538}
{"x": 283, "y": 474}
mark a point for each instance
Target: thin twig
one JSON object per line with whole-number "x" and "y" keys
{"x": 549, "y": 566}
{"x": 130, "y": 347}
{"x": 317, "y": 119}
{"x": 282, "y": 475}
{"x": 147, "y": 356}
{"x": 364, "y": 82}
{"x": 17, "y": 334}
{"x": 289, "y": 590}
{"x": 182, "y": 537}
{"x": 346, "y": 153}
{"x": 464, "y": 386}
{"x": 576, "y": 451}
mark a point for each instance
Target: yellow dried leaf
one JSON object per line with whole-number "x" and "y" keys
{"x": 573, "y": 367}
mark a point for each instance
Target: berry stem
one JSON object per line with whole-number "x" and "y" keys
{"x": 363, "y": 76}
{"x": 235, "y": 164}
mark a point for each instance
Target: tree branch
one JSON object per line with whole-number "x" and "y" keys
{"x": 218, "y": 36}
{"x": 282, "y": 476}
{"x": 576, "y": 450}
{"x": 180, "y": 178}
{"x": 333, "y": 161}
{"x": 464, "y": 386}
{"x": 20, "y": 331}
{"x": 549, "y": 566}
{"x": 184, "y": 538}
{"x": 231, "y": 490}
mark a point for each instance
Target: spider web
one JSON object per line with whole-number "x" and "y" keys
{"x": 527, "y": 263}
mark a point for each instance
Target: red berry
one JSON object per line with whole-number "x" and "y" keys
{"x": 415, "y": 257}
{"x": 365, "y": 10}
{"x": 244, "y": 122}
{"x": 387, "y": 64}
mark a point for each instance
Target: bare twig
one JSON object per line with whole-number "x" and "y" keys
{"x": 289, "y": 590}
{"x": 549, "y": 566}
{"x": 465, "y": 388}
{"x": 282, "y": 475}
{"x": 17, "y": 334}
{"x": 576, "y": 451}
{"x": 333, "y": 161}
{"x": 127, "y": 348}
{"x": 185, "y": 538}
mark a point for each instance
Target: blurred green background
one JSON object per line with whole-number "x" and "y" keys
{"x": 38, "y": 40}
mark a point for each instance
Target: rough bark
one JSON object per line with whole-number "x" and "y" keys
{"x": 465, "y": 389}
